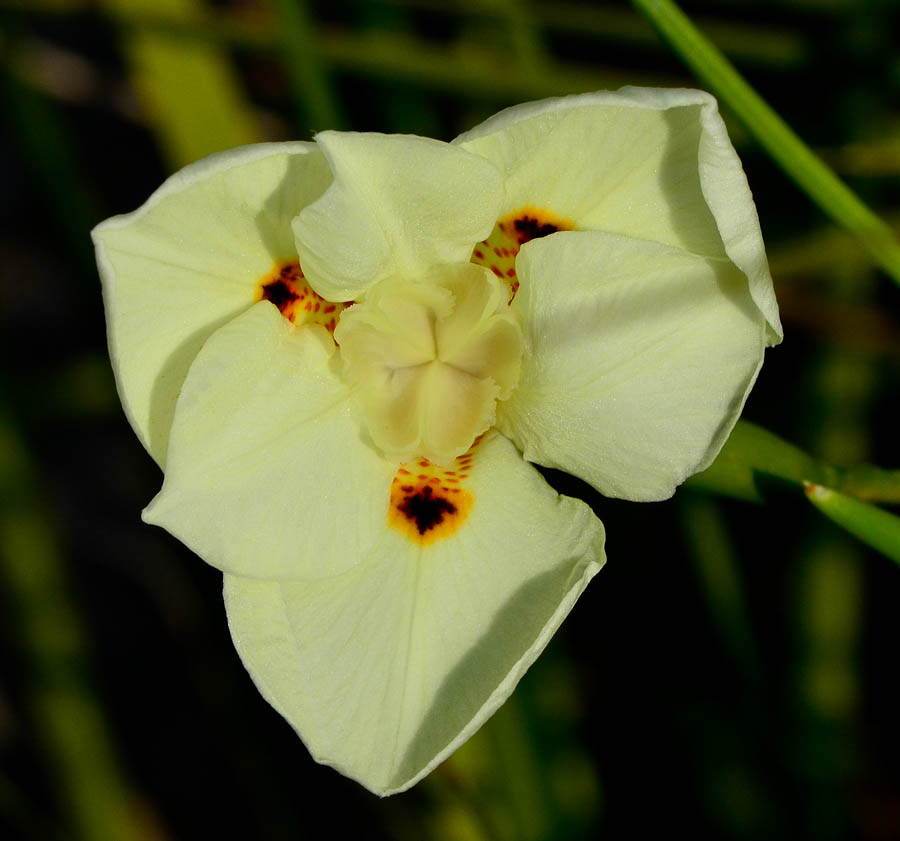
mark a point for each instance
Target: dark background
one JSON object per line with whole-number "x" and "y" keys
{"x": 730, "y": 673}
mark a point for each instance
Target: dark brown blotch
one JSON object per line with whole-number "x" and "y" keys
{"x": 280, "y": 293}
{"x": 425, "y": 509}
{"x": 529, "y": 228}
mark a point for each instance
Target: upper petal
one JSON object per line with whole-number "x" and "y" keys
{"x": 189, "y": 260}
{"x": 386, "y": 670}
{"x": 267, "y": 475}
{"x": 644, "y": 162}
{"x": 398, "y": 206}
{"x": 638, "y": 359}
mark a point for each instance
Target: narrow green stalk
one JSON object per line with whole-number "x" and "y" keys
{"x": 754, "y": 462}
{"x": 775, "y": 136}
{"x": 305, "y": 66}
{"x": 873, "y": 526}
{"x": 188, "y": 89}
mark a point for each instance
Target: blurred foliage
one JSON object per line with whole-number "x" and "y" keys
{"x": 732, "y": 670}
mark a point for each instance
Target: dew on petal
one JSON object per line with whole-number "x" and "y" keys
{"x": 430, "y": 503}
{"x": 284, "y": 285}
{"x": 498, "y": 252}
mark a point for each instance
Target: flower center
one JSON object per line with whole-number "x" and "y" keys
{"x": 431, "y": 358}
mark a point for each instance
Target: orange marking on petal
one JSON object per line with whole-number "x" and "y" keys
{"x": 426, "y": 509}
{"x": 510, "y": 233}
{"x": 285, "y": 286}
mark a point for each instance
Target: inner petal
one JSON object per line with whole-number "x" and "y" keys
{"x": 430, "y": 359}
{"x": 285, "y": 287}
{"x": 498, "y": 252}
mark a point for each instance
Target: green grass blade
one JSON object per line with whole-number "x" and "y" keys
{"x": 754, "y": 462}
{"x": 752, "y": 458}
{"x": 877, "y": 528}
{"x": 314, "y": 96}
{"x": 188, "y": 88}
{"x": 821, "y": 184}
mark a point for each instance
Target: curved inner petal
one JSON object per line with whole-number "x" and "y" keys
{"x": 431, "y": 358}
{"x": 653, "y": 347}
{"x": 385, "y": 214}
{"x": 267, "y": 474}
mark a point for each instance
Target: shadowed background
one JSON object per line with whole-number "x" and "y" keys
{"x": 732, "y": 671}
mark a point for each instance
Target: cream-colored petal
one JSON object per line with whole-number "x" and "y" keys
{"x": 493, "y": 351}
{"x": 458, "y": 408}
{"x": 638, "y": 359}
{"x": 481, "y": 336}
{"x": 385, "y": 670}
{"x": 643, "y": 162}
{"x": 398, "y": 206}
{"x": 268, "y": 475}
{"x": 189, "y": 260}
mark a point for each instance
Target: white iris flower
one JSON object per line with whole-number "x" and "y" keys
{"x": 344, "y": 355}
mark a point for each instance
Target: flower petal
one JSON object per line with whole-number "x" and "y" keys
{"x": 644, "y": 162}
{"x": 189, "y": 260}
{"x": 398, "y": 206}
{"x": 638, "y": 359}
{"x": 386, "y": 670}
{"x": 267, "y": 476}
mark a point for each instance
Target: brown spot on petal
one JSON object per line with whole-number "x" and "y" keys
{"x": 423, "y": 506}
{"x": 285, "y": 286}
{"x": 510, "y": 233}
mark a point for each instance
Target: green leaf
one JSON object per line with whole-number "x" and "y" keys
{"x": 753, "y": 459}
{"x": 874, "y": 526}
{"x": 754, "y": 462}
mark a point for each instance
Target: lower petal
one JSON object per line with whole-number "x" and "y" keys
{"x": 387, "y": 669}
{"x": 638, "y": 359}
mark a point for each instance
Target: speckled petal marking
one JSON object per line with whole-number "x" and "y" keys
{"x": 499, "y": 251}
{"x": 431, "y": 503}
{"x": 297, "y": 301}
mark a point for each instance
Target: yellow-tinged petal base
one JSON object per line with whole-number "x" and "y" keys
{"x": 285, "y": 287}
{"x": 431, "y": 503}
{"x": 499, "y": 251}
